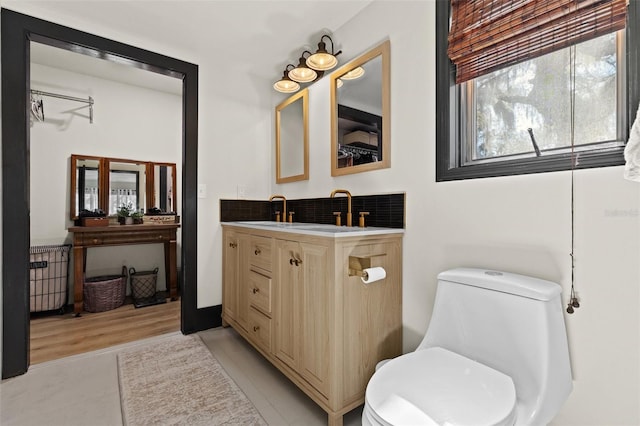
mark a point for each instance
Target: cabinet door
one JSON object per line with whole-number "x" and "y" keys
{"x": 316, "y": 315}
{"x": 235, "y": 301}
{"x": 242, "y": 295}
{"x": 231, "y": 268}
{"x": 287, "y": 308}
{"x": 302, "y": 309}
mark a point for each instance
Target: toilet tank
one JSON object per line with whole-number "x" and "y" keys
{"x": 511, "y": 323}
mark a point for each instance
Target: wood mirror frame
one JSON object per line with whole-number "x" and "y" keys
{"x": 76, "y": 201}
{"x": 149, "y": 185}
{"x": 161, "y": 186}
{"x": 292, "y": 138}
{"x": 371, "y": 124}
{"x": 131, "y": 189}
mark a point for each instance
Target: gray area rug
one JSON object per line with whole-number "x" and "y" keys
{"x": 177, "y": 381}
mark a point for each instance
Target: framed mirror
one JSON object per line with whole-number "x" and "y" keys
{"x": 127, "y": 184}
{"x": 86, "y": 180}
{"x": 108, "y": 183}
{"x": 360, "y": 113}
{"x": 292, "y": 138}
{"x": 161, "y": 187}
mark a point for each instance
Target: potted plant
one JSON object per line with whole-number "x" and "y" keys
{"x": 137, "y": 217}
{"x": 124, "y": 214}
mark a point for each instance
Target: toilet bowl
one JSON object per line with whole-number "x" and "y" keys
{"x": 495, "y": 354}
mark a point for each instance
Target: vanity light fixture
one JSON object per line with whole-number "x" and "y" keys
{"x": 285, "y": 84}
{"x": 322, "y": 60}
{"x": 302, "y": 73}
{"x": 311, "y": 67}
{"x": 353, "y": 74}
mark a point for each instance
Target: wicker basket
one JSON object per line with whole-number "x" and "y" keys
{"x": 105, "y": 292}
{"x": 143, "y": 283}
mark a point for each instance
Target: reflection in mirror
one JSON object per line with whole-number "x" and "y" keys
{"x": 360, "y": 113}
{"x": 163, "y": 183}
{"x": 86, "y": 181}
{"x": 87, "y": 192}
{"x": 126, "y": 185}
{"x": 292, "y": 138}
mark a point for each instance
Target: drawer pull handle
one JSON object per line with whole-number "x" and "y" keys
{"x": 233, "y": 245}
{"x": 257, "y": 251}
{"x": 256, "y": 328}
{"x": 255, "y": 290}
{"x": 95, "y": 241}
{"x": 297, "y": 262}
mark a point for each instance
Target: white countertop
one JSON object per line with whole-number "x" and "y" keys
{"x": 315, "y": 228}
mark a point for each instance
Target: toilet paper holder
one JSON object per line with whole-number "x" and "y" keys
{"x": 357, "y": 265}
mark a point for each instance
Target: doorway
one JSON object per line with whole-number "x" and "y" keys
{"x": 17, "y": 31}
{"x": 102, "y": 108}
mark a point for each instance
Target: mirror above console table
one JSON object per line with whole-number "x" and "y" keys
{"x": 103, "y": 183}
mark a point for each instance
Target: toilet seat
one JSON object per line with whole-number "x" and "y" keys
{"x": 435, "y": 386}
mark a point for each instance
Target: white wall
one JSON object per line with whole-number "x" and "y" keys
{"x": 520, "y": 224}
{"x": 130, "y": 122}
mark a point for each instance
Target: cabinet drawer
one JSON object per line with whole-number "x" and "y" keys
{"x": 260, "y": 252}
{"x": 260, "y": 292}
{"x": 89, "y": 239}
{"x": 260, "y": 329}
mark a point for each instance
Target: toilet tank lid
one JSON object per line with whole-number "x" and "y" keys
{"x": 506, "y": 282}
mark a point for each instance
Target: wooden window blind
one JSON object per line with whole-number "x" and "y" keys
{"x": 486, "y": 35}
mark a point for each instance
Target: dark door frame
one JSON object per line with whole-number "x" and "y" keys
{"x": 17, "y": 31}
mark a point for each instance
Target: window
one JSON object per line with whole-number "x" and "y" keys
{"x": 531, "y": 101}
{"x": 519, "y": 118}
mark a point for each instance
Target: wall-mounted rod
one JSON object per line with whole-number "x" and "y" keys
{"x": 69, "y": 98}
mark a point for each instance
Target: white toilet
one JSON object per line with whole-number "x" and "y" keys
{"x": 495, "y": 353}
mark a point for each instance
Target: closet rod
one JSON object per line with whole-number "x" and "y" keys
{"x": 69, "y": 98}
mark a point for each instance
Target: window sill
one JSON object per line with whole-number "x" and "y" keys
{"x": 542, "y": 164}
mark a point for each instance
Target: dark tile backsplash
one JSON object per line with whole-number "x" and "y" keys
{"x": 385, "y": 210}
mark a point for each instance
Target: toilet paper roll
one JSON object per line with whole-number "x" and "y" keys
{"x": 373, "y": 274}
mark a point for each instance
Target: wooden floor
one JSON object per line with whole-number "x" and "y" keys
{"x": 58, "y": 336}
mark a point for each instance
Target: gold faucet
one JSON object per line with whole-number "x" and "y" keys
{"x": 284, "y": 206}
{"x": 348, "y": 194}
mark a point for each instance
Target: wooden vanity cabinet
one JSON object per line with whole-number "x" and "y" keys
{"x": 322, "y": 328}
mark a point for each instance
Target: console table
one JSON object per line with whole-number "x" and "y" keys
{"x": 117, "y": 235}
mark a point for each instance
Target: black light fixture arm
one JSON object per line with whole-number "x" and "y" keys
{"x": 323, "y": 46}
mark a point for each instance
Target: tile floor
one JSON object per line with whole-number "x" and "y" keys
{"x": 83, "y": 389}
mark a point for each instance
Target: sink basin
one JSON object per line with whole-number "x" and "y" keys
{"x": 270, "y": 223}
{"x": 332, "y": 228}
{"x": 316, "y": 228}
